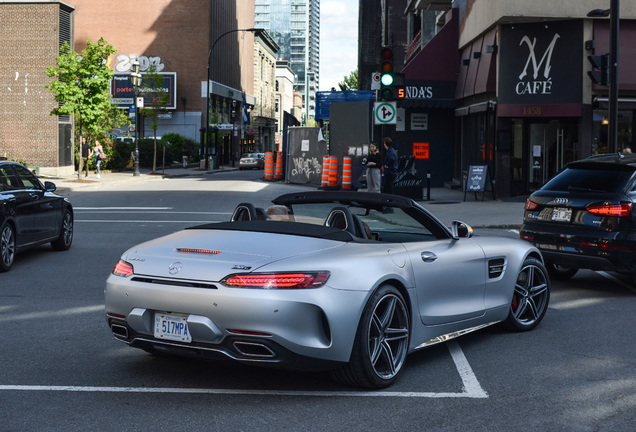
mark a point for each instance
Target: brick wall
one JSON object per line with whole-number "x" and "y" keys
{"x": 29, "y": 35}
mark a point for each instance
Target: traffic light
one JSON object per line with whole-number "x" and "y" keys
{"x": 386, "y": 74}
{"x": 600, "y": 66}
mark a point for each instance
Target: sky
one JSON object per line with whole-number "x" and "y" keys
{"x": 338, "y": 41}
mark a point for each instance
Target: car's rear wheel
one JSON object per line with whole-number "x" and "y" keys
{"x": 63, "y": 242}
{"x": 381, "y": 342}
{"x": 530, "y": 297}
{"x": 7, "y": 247}
{"x": 560, "y": 272}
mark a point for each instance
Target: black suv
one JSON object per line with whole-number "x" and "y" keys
{"x": 585, "y": 217}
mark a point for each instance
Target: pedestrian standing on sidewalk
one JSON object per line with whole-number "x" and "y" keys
{"x": 86, "y": 151}
{"x": 390, "y": 165}
{"x": 374, "y": 163}
{"x": 98, "y": 151}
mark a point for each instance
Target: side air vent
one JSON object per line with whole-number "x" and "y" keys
{"x": 496, "y": 268}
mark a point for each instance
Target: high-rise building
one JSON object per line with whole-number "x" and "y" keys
{"x": 295, "y": 26}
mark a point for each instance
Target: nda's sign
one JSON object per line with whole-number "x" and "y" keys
{"x": 538, "y": 64}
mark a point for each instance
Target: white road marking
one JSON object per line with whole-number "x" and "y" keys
{"x": 472, "y": 389}
{"x": 51, "y": 314}
{"x": 122, "y": 208}
{"x": 145, "y": 221}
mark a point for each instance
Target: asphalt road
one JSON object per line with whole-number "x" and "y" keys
{"x": 63, "y": 371}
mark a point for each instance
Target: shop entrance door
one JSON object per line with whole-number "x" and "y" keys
{"x": 551, "y": 145}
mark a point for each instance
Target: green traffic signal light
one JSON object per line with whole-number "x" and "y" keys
{"x": 386, "y": 79}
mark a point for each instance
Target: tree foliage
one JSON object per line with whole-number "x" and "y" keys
{"x": 152, "y": 89}
{"x": 349, "y": 82}
{"x": 81, "y": 87}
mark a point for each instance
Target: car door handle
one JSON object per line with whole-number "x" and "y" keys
{"x": 35, "y": 196}
{"x": 428, "y": 257}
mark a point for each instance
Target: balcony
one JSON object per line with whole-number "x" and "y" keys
{"x": 414, "y": 46}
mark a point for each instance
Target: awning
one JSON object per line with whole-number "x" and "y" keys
{"x": 441, "y": 51}
{"x": 426, "y": 103}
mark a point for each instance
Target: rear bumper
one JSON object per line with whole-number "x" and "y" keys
{"x": 590, "y": 250}
{"x": 249, "y": 350}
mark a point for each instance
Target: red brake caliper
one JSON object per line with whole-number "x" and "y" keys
{"x": 515, "y": 303}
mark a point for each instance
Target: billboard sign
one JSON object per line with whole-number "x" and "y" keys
{"x": 123, "y": 94}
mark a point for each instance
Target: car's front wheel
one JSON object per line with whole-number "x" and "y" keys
{"x": 381, "y": 342}
{"x": 63, "y": 242}
{"x": 560, "y": 272}
{"x": 530, "y": 297}
{"x": 7, "y": 247}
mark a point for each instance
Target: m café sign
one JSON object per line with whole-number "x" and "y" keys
{"x": 538, "y": 65}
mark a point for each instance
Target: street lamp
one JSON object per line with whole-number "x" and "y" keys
{"x": 256, "y": 31}
{"x": 135, "y": 78}
{"x": 614, "y": 13}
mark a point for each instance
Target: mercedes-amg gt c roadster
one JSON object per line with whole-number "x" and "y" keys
{"x": 349, "y": 282}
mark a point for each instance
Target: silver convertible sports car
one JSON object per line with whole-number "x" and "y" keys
{"x": 349, "y": 282}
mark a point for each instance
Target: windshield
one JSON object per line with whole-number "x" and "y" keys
{"x": 389, "y": 225}
{"x": 590, "y": 180}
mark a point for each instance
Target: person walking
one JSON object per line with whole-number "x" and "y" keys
{"x": 86, "y": 151}
{"x": 390, "y": 165}
{"x": 374, "y": 163}
{"x": 98, "y": 151}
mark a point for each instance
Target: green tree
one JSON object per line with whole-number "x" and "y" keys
{"x": 152, "y": 89}
{"x": 350, "y": 82}
{"x": 81, "y": 87}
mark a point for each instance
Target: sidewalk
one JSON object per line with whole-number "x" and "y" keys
{"x": 446, "y": 204}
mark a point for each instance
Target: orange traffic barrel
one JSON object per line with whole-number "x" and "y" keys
{"x": 269, "y": 166}
{"x": 279, "y": 166}
{"x": 333, "y": 172}
{"x": 346, "y": 172}
{"x": 326, "y": 168}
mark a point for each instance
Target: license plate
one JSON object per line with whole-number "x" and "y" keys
{"x": 172, "y": 327}
{"x": 562, "y": 214}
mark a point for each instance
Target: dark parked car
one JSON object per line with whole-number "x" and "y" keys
{"x": 585, "y": 217}
{"x": 30, "y": 214}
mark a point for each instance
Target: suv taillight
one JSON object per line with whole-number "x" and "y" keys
{"x": 616, "y": 210}
{"x": 530, "y": 205}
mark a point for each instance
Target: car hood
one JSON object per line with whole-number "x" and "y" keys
{"x": 210, "y": 255}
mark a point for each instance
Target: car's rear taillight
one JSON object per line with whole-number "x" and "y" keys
{"x": 123, "y": 269}
{"x": 530, "y": 205}
{"x": 277, "y": 280}
{"x": 616, "y": 210}
{"x": 526, "y": 237}
{"x": 608, "y": 246}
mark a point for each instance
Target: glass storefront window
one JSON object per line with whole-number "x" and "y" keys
{"x": 600, "y": 131}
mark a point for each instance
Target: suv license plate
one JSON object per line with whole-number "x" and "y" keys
{"x": 562, "y": 214}
{"x": 172, "y": 327}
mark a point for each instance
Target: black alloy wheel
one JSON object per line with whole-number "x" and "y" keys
{"x": 7, "y": 247}
{"x": 381, "y": 343}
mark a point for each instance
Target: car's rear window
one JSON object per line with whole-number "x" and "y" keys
{"x": 590, "y": 180}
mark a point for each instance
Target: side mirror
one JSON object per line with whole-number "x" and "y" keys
{"x": 461, "y": 229}
{"x": 49, "y": 186}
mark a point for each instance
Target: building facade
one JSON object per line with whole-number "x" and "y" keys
{"x": 187, "y": 41}
{"x": 504, "y": 85}
{"x": 295, "y": 26}
{"x": 285, "y": 79}
{"x": 264, "y": 117}
{"x": 31, "y": 34}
